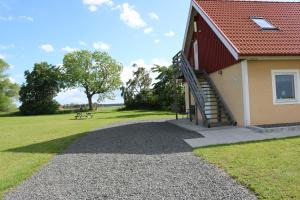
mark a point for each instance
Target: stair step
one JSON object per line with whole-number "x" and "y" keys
{"x": 210, "y": 109}
{"x": 211, "y": 96}
{"x": 211, "y": 119}
{"x": 212, "y": 101}
{"x": 211, "y": 114}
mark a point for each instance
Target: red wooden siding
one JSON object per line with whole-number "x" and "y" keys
{"x": 213, "y": 55}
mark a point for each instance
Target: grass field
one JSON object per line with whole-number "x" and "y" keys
{"x": 271, "y": 168}
{"x": 26, "y": 143}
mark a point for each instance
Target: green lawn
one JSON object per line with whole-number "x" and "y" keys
{"x": 271, "y": 168}
{"x": 26, "y": 143}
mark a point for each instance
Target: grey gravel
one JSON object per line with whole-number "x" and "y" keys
{"x": 138, "y": 161}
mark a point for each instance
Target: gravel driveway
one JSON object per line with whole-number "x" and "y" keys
{"x": 137, "y": 161}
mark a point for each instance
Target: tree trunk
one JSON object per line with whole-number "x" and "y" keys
{"x": 90, "y": 102}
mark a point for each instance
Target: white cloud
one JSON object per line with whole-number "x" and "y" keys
{"x": 19, "y": 18}
{"x": 25, "y": 18}
{"x": 156, "y": 41}
{"x": 127, "y": 72}
{"x": 68, "y": 49}
{"x": 170, "y": 34}
{"x": 2, "y": 56}
{"x": 77, "y": 96}
{"x": 131, "y": 17}
{"x": 101, "y": 46}
{"x": 4, "y": 47}
{"x": 161, "y": 62}
{"x": 93, "y": 5}
{"x": 48, "y": 48}
{"x": 148, "y": 30}
{"x": 154, "y": 16}
{"x": 141, "y": 63}
{"x": 93, "y": 8}
{"x": 82, "y": 43}
{"x": 12, "y": 79}
{"x": 10, "y": 18}
{"x": 71, "y": 96}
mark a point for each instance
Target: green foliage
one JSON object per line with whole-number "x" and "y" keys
{"x": 138, "y": 93}
{"x": 166, "y": 90}
{"x": 42, "y": 85}
{"x": 96, "y": 72}
{"x": 8, "y": 90}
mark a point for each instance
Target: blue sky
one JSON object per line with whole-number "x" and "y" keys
{"x": 132, "y": 31}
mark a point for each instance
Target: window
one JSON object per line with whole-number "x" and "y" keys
{"x": 285, "y": 86}
{"x": 263, "y": 23}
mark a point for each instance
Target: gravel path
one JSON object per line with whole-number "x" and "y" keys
{"x": 138, "y": 161}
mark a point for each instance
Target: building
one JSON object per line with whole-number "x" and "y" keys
{"x": 245, "y": 61}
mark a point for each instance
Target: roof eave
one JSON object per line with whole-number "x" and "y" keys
{"x": 227, "y": 43}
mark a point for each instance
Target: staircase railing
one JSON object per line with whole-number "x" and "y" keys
{"x": 184, "y": 68}
{"x": 180, "y": 61}
{"x": 230, "y": 116}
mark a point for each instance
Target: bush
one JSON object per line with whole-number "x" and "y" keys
{"x": 39, "y": 108}
{"x": 42, "y": 85}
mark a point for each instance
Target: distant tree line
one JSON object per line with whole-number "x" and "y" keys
{"x": 97, "y": 73}
{"x": 141, "y": 92}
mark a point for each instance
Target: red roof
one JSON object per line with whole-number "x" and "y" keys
{"x": 233, "y": 19}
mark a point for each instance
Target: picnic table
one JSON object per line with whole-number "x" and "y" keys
{"x": 81, "y": 115}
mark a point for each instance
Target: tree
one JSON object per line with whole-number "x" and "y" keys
{"x": 8, "y": 90}
{"x": 137, "y": 90}
{"x": 164, "y": 88}
{"x": 42, "y": 85}
{"x": 96, "y": 72}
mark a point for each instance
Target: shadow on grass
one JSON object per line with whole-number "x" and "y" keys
{"x": 51, "y": 146}
{"x": 19, "y": 114}
{"x": 141, "y": 138}
{"x": 10, "y": 114}
{"x": 137, "y": 115}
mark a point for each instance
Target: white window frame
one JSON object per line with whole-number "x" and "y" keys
{"x": 259, "y": 20}
{"x": 196, "y": 54}
{"x": 296, "y": 82}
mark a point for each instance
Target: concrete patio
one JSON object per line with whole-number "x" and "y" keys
{"x": 227, "y": 135}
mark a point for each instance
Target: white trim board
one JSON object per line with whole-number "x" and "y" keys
{"x": 246, "y": 96}
{"x": 227, "y": 43}
{"x": 270, "y": 57}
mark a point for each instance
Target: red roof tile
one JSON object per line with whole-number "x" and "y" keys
{"x": 233, "y": 19}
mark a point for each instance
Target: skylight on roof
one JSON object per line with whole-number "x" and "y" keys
{"x": 263, "y": 23}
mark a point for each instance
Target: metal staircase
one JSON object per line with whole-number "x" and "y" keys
{"x": 208, "y": 100}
